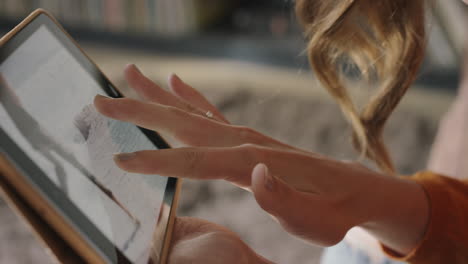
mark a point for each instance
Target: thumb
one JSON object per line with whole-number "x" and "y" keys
{"x": 271, "y": 193}
{"x": 305, "y": 215}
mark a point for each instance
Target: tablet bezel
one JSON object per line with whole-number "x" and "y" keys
{"x": 18, "y": 169}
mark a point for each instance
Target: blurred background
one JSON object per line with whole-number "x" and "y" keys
{"x": 247, "y": 57}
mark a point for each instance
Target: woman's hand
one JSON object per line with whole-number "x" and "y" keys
{"x": 199, "y": 241}
{"x": 313, "y": 197}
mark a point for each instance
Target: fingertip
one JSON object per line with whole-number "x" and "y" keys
{"x": 170, "y": 80}
{"x": 116, "y": 108}
{"x": 124, "y": 156}
{"x": 174, "y": 81}
{"x": 98, "y": 97}
{"x": 262, "y": 185}
{"x": 99, "y": 101}
{"x": 101, "y": 104}
{"x": 133, "y": 75}
{"x": 141, "y": 162}
{"x": 130, "y": 68}
{"x": 259, "y": 173}
{"x": 124, "y": 160}
{"x": 176, "y": 78}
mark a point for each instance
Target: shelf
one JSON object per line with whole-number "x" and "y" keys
{"x": 267, "y": 50}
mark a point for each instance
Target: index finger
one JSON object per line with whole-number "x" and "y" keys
{"x": 186, "y": 127}
{"x": 231, "y": 164}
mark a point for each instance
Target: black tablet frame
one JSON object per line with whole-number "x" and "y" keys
{"x": 38, "y": 179}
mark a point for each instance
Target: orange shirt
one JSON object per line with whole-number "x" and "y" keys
{"x": 446, "y": 237}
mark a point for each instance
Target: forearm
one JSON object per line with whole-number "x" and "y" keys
{"x": 402, "y": 213}
{"x": 398, "y": 215}
{"x": 428, "y": 227}
{"x": 260, "y": 260}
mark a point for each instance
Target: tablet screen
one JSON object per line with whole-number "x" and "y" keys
{"x": 46, "y": 109}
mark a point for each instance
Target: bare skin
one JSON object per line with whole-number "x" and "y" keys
{"x": 313, "y": 197}
{"x": 199, "y": 241}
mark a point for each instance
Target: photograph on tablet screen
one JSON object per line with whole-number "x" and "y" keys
{"x": 46, "y": 108}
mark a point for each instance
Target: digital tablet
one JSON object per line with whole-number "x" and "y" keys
{"x": 56, "y": 151}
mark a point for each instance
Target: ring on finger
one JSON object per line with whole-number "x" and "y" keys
{"x": 209, "y": 114}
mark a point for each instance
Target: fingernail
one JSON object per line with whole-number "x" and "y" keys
{"x": 124, "y": 156}
{"x": 176, "y": 78}
{"x": 134, "y": 67}
{"x": 268, "y": 179}
{"x": 102, "y": 96}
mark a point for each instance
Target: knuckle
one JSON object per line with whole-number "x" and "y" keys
{"x": 190, "y": 108}
{"x": 252, "y": 153}
{"x": 192, "y": 159}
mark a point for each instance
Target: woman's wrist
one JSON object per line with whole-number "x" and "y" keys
{"x": 398, "y": 213}
{"x": 257, "y": 259}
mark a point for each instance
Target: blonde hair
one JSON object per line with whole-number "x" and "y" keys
{"x": 384, "y": 40}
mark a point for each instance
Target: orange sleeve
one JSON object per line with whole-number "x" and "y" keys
{"x": 446, "y": 237}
